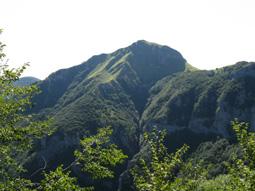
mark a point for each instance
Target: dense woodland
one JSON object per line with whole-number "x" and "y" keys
{"x": 158, "y": 163}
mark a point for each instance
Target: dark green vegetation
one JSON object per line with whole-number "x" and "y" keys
{"x": 140, "y": 89}
{"x": 203, "y": 101}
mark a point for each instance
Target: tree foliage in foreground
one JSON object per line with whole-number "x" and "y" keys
{"x": 61, "y": 181}
{"x": 17, "y": 131}
{"x": 98, "y": 155}
{"x": 167, "y": 172}
{"x": 159, "y": 172}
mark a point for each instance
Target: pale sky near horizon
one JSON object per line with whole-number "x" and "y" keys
{"x": 55, "y": 34}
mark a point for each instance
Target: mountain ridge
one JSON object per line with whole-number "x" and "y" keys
{"x": 136, "y": 89}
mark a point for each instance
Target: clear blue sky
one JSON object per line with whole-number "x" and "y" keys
{"x": 54, "y": 34}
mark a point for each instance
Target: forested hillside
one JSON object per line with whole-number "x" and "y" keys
{"x": 203, "y": 102}
{"x": 139, "y": 88}
{"x": 140, "y": 118}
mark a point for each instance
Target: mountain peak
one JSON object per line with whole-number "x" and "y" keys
{"x": 144, "y": 43}
{"x": 26, "y": 81}
{"x": 137, "y": 66}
